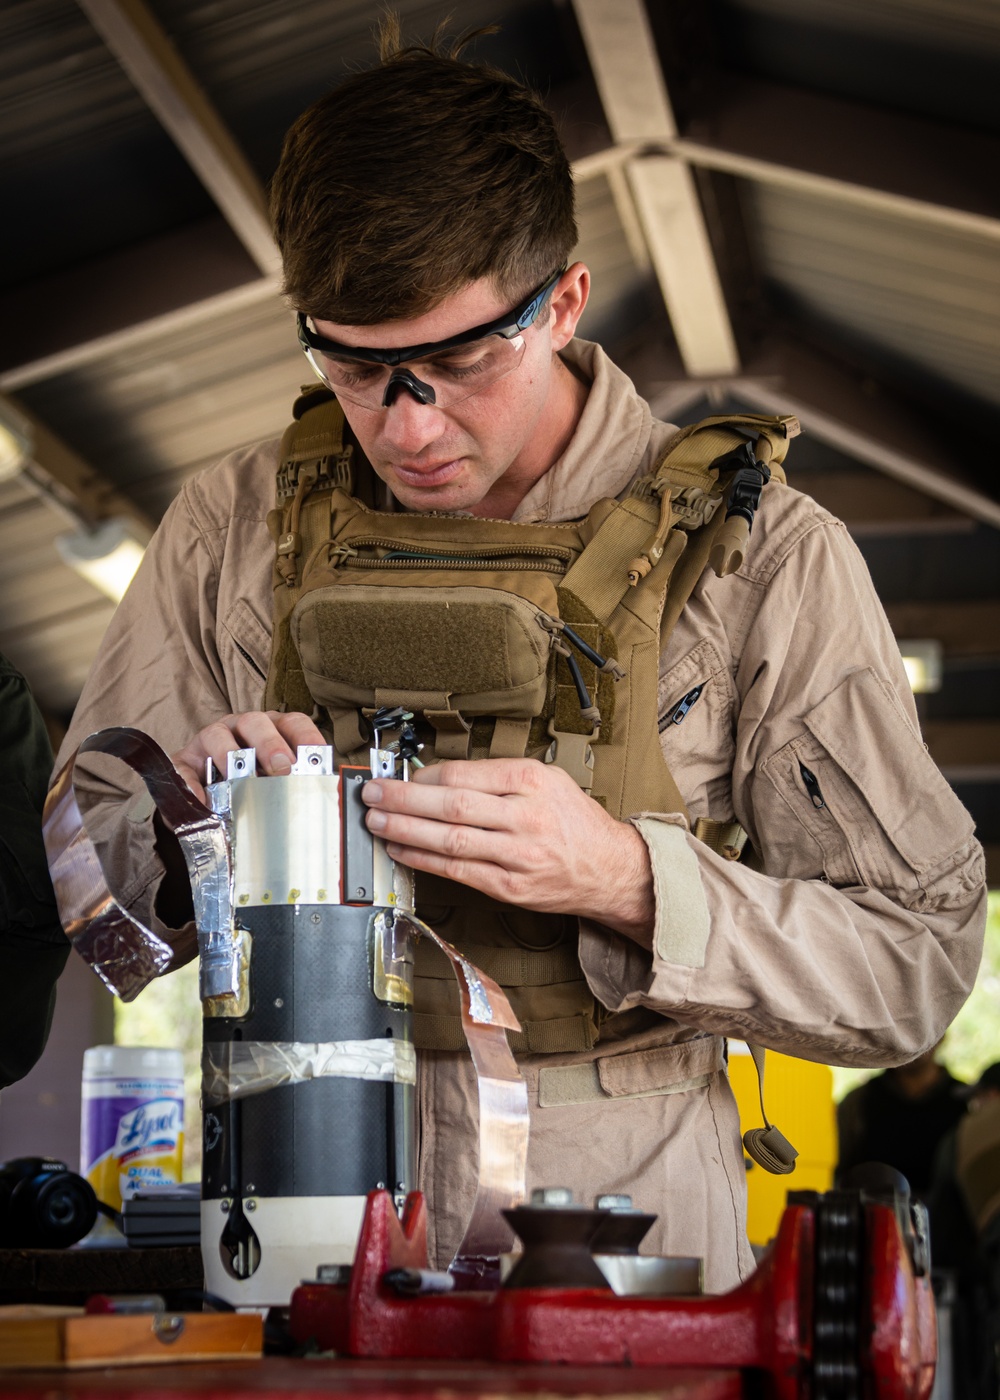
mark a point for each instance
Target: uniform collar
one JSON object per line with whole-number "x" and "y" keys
{"x": 607, "y": 449}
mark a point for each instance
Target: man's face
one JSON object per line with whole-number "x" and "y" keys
{"x": 488, "y": 444}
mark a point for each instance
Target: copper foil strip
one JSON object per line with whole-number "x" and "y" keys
{"x": 122, "y": 951}
{"x": 503, "y": 1118}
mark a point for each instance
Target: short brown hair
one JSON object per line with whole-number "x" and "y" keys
{"x": 415, "y": 178}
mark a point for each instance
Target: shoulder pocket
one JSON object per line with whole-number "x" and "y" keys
{"x": 862, "y": 786}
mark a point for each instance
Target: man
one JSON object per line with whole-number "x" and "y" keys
{"x": 900, "y": 1117}
{"x": 965, "y": 1233}
{"x": 33, "y": 947}
{"x": 426, "y": 208}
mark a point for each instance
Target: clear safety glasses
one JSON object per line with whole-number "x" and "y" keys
{"x": 442, "y": 372}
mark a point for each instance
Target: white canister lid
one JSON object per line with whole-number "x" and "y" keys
{"x": 130, "y": 1061}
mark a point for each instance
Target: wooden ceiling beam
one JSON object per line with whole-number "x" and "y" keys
{"x": 627, "y": 72}
{"x": 74, "y": 316}
{"x": 964, "y": 747}
{"x": 64, "y": 479}
{"x": 970, "y": 628}
{"x": 917, "y": 168}
{"x": 868, "y": 502}
{"x": 169, "y": 88}
{"x": 862, "y": 420}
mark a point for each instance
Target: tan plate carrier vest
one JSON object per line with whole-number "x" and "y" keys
{"x": 464, "y": 621}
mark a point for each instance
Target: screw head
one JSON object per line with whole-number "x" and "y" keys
{"x": 613, "y": 1202}
{"x": 552, "y": 1197}
{"x": 224, "y": 1207}
{"x": 359, "y": 892}
{"x": 314, "y": 918}
{"x": 250, "y": 1205}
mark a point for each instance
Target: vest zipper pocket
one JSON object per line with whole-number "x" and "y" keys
{"x": 812, "y": 787}
{"x": 552, "y": 559}
{"x": 681, "y": 710}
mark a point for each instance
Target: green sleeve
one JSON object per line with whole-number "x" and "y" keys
{"x": 33, "y": 946}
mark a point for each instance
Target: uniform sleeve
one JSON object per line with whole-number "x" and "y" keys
{"x": 859, "y": 939}
{"x": 159, "y": 670}
{"x": 33, "y": 946}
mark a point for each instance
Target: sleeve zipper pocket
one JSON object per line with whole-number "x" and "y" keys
{"x": 249, "y": 660}
{"x": 679, "y": 712}
{"x": 812, "y": 787}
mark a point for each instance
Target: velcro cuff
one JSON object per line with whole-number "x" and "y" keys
{"x": 681, "y": 932}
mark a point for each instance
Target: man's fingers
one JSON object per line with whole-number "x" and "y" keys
{"x": 464, "y": 843}
{"x": 482, "y": 875}
{"x": 274, "y": 735}
{"x": 257, "y": 730}
{"x": 502, "y": 777}
{"x": 295, "y": 728}
{"x": 193, "y": 781}
{"x": 442, "y": 804}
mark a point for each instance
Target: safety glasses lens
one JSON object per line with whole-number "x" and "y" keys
{"x": 454, "y": 374}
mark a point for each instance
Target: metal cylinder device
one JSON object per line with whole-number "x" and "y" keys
{"x": 306, "y": 982}
{"x": 308, "y": 1066}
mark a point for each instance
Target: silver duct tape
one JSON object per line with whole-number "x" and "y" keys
{"x": 479, "y": 1003}
{"x": 237, "y": 1069}
{"x": 206, "y": 854}
{"x": 218, "y": 969}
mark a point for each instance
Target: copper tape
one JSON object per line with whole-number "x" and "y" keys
{"x": 503, "y": 1118}
{"x": 127, "y": 956}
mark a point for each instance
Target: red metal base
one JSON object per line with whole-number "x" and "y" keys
{"x": 764, "y": 1326}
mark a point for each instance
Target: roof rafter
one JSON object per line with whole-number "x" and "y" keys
{"x": 169, "y": 88}
{"x": 637, "y": 108}
{"x": 65, "y": 480}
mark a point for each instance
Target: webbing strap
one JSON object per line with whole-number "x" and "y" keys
{"x": 599, "y": 579}
{"x": 510, "y": 966}
{"x": 312, "y": 445}
{"x": 768, "y": 1146}
{"x": 452, "y": 733}
{"x": 699, "y": 444}
{"x": 724, "y": 838}
{"x": 510, "y": 738}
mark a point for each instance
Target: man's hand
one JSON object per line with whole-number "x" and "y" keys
{"x": 274, "y": 735}
{"x": 522, "y": 832}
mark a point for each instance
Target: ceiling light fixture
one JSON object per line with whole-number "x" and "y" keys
{"x": 15, "y": 443}
{"x": 922, "y": 661}
{"x": 106, "y": 555}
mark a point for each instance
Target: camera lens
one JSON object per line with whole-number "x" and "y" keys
{"x": 64, "y": 1208}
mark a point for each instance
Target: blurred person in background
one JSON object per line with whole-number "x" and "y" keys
{"x": 899, "y": 1117}
{"x": 965, "y": 1210}
{"x": 33, "y": 946}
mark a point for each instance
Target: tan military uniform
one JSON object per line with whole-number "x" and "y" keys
{"x": 855, "y": 943}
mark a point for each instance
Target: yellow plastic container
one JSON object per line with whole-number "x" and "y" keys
{"x": 799, "y": 1099}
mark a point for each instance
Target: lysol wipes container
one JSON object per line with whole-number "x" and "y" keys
{"x": 132, "y": 1120}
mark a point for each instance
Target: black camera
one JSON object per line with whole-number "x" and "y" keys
{"x": 43, "y": 1205}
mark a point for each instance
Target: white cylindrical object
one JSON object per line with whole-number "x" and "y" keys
{"x": 132, "y": 1120}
